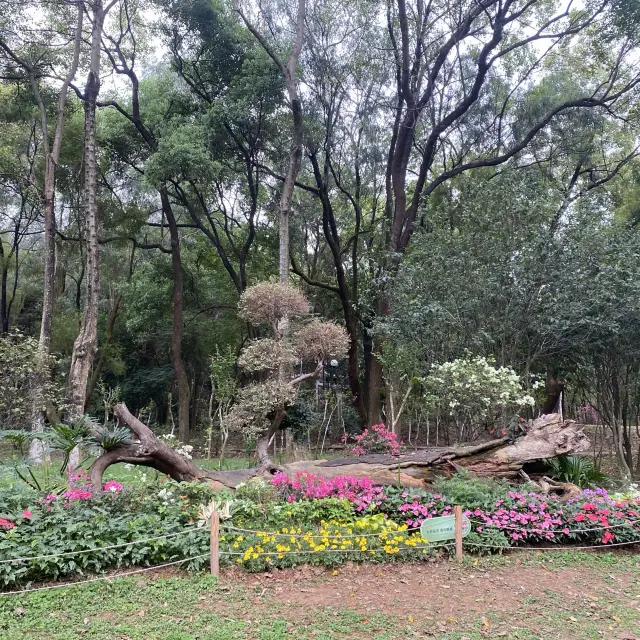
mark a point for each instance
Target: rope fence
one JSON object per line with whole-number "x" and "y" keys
{"x": 534, "y": 529}
{"x": 112, "y": 546}
{"x": 102, "y": 578}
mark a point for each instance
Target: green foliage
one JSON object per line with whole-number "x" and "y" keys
{"x": 301, "y": 416}
{"x": 111, "y": 436}
{"x": 57, "y": 528}
{"x": 223, "y": 374}
{"x": 18, "y": 439}
{"x": 485, "y": 543}
{"x": 305, "y": 512}
{"x": 577, "y": 470}
{"x": 256, "y": 490}
{"x": 65, "y": 437}
{"x": 473, "y": 493}
{"x": 24, "y": 369}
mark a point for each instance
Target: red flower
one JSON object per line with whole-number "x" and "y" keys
{"x": 587, "y": 506}
{"x": 608, "y": 537}
{"x": 580, "y": 517}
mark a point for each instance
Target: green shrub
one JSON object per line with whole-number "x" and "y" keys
{"x": 471, "y": 492}
{"x": 58, "y": 527}
{"x": 256, "y": 490}
{"x": 577, "y": 470}
{"x": 485, "y": 542}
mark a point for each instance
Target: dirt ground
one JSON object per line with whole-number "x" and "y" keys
{"x": 542, "y": 597}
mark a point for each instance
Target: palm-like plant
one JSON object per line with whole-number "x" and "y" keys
{"x": 64, "y": 438}
{"x": 577, "y": 470}
{"x": 110, "y": 436}
{"x": 18, "y": 438}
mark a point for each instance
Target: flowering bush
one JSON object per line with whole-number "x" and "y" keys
{"x": 185, "y": 450}
{"x": 112, "y": 487}
{"x": 308, "y": 486}
{"x": 591, "y": 518}
{"x": 521, "y": 517}
{"x": 376, "y": 439}
{"x": 475, "y": 393}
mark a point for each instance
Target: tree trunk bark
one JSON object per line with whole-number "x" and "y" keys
{"x": 111, "y": 323}
{"x": 374, "y": 383}
{"x": 4, "y": 315}
{"x": 86, "y": 344}
{"x": 175, "y": 349}
{"x": 37, "y": 452}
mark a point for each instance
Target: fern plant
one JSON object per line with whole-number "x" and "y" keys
{"x": 577, "y": 470}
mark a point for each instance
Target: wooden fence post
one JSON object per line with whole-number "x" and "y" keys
{"x": 457, "y": 512}
{"x": 215, "y": 544}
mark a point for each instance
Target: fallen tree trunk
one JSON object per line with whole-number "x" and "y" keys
{"x": 146, "y": 450}
{"x": 546, "y": 438}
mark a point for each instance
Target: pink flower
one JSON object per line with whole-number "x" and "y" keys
{"x": 112, "y": 487}
{"x": 608, "y": 537}
{"x": 73, "y": 495}
{"x": 6, "y": 524}
{"x": 27, "y": 514}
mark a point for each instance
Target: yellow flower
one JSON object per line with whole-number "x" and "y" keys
{"x": 239, "y": 538}
{"x": 268, "y": 559}
{"x": 235, "y": 545}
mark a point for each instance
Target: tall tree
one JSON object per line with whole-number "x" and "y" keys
{"x": 289, "y": 74}
{"x": 34, "y": 71}
{"x": 86, "y": 344}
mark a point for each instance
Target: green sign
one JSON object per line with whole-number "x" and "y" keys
{"x": 437, "y": 529}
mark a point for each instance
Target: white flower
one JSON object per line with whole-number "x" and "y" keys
{"x": 206, "y": 511}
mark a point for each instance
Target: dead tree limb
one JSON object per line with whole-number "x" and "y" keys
{"x": 547, "y": 438}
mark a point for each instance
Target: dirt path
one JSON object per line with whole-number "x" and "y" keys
{"x": 539, "y": 596}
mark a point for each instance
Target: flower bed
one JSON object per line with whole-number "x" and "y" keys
{"x": 307, "y": 486}
{"x": 288, "y": 521}
{"x": 371, "y": 538}
{"x": 525, "y": 518}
